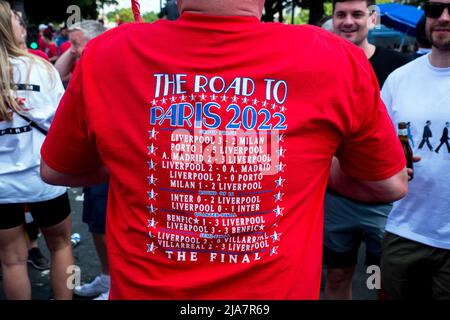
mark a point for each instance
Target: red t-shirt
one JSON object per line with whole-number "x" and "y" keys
{"x": 39, "y": 53}
{"x": 50, "y": 49}
{"x": 218, "y": 139}
{"x": 64, "y": 47}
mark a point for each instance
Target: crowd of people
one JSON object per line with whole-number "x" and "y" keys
{"x": 210, "y": 219}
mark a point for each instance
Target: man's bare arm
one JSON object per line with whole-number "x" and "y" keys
{"x": 54, "y": 177}
{"x": 388, "y": 190}
{"x": 65, "y": 63}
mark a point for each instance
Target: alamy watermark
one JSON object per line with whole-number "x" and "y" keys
{"x": 75, "y": 15}
{"x": 374, "y": 279}
{"x": 74, "y": 278}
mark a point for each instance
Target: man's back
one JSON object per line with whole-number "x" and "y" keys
{"x": 218, "y": 140}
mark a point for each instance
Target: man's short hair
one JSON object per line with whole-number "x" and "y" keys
{"x": 90, "y": 28}
{"x": 369, "y": 2}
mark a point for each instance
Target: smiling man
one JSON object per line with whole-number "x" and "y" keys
{"x": 416, "y": 247}
{"x": 352, "y": 20}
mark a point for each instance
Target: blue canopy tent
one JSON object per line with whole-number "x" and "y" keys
{"x": 388, "y": 37}
{"x": 400, "y": 17}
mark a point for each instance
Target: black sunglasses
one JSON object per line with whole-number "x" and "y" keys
{"x": 435, "y": 9}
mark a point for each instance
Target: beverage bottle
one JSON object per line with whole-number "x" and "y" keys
{"x": 75, "y": 239}
{"x": 403, "y": 137}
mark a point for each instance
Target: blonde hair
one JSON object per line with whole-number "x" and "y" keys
{"x": 9, "y": 48}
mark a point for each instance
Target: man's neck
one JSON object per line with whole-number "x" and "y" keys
{"x": 369, "y": 49}
{"x": 439, "y": 58}
{"x": 246, "y": 8}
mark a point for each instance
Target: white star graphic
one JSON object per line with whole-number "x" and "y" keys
{"x": 281, "y": 137}
{"x": 153, "y": 133}
{"x": 163, "y": 100}
{"x": 275, "y": 236}
{"x": 151, "y": 235}
{"x": 154, "y": 102}
{"x": 183, "y": 98}
{"x": 278, "y": 196}
{"x": 152, "y": 180}
{"x": 152, "y": 209}
{"x": 151, "y": 248}
{"x": 173, "y": 99}
{"x": 151, "y": 165}
{"x": 255, "y": 101}
{"x": 274, "y": 250}
{"x": 274, "y": 106}
{"x": 213, "y": 97}
{"x": 278, "y": 211}
{"x": 192, "y": 97}
{"x": 152, "y": 195}
{"x": 196, "y": 220}
{"x": 279, "y": 182}
{"x": 151, "y": 149}
{"x": 234, "y": 99}
{"x": 202, "y": 97}
{"x": 280, "y": 167}
{"x": 244, "y": 100}
{"x": 282, "y": 108}
{"x": 152, "y": 223}
{"x": 281, "y": 152}
{"x": 264, "y": 104}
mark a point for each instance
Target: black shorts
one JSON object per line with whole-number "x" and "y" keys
{"x": 46, "y": 213}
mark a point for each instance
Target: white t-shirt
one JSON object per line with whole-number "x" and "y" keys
{"x": 420, "y": 94}
{"x": 20, "y": 144}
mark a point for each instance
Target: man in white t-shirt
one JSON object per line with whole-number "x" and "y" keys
{"x": 416, "y": 247}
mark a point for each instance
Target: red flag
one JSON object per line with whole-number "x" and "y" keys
{"x": 136, "y": 10}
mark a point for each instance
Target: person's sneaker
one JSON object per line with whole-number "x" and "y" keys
{"x": 103, "y": 296}
{"x": 92, "y": 289}
{"x": 37, "y": 259}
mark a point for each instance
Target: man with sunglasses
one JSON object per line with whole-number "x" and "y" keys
{"x": 416, "y": 246}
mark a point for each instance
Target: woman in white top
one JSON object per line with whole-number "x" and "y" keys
{"x": 30, "y": 90}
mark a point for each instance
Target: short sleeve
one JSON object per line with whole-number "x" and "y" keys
{"x": 371, "y": 151}
{"x": 69, "y": 148}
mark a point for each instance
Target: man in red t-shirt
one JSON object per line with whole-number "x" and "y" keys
{"x": 219, "y": 145}
{"x": 79, "y": 35}
{"x": 48, "y": 46}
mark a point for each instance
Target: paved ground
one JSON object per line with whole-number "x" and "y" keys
{"x": 86, "y": 259}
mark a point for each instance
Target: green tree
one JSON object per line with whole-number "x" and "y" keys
{"x": 126, "y": 15}
{"x": 150, "y": 16}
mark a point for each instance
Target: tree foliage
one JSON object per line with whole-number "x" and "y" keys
{"x": 126, "y": 15}
{"x": 56, "y": 10}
